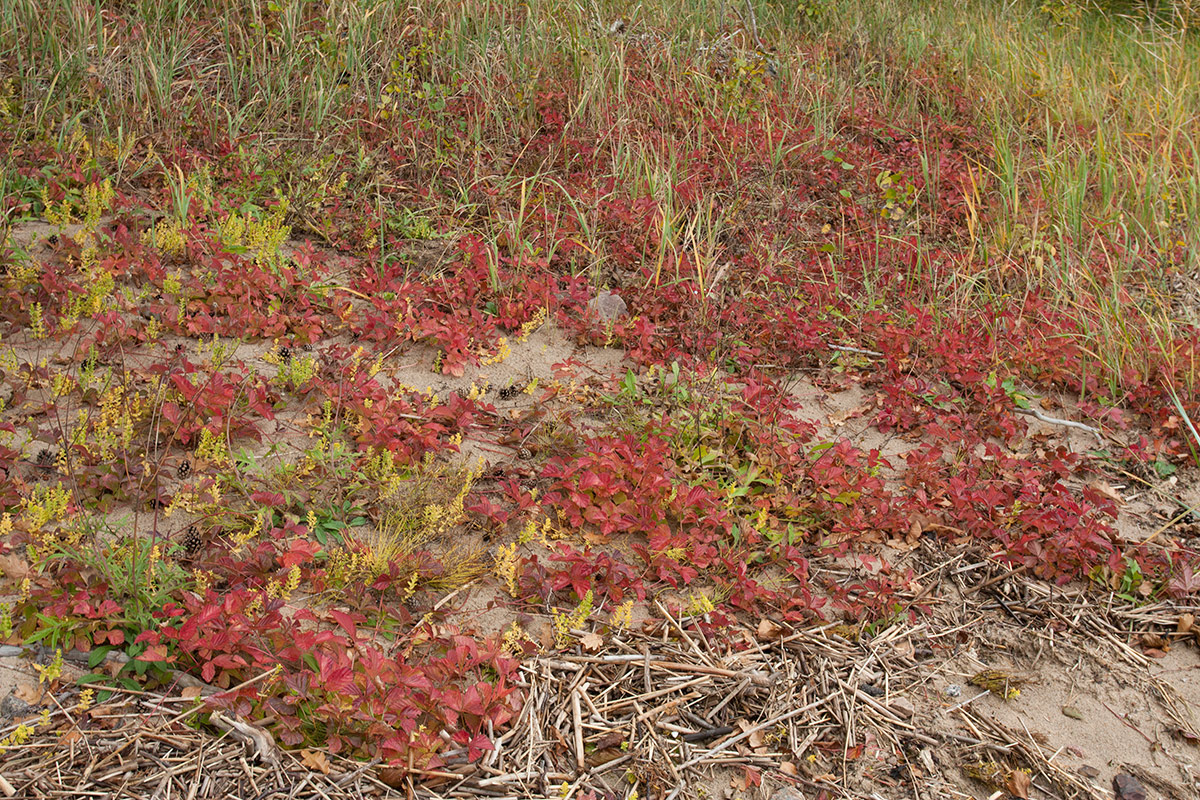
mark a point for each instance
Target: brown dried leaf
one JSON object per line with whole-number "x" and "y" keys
{"x": 1018, "y": 783}
{"x": 592, "y": 642}
{"x": 839, "y": 419}
{"x": 15, "y": 567}
{"x": 393, "y": 776}
{"x": 190, "y": 692}
{"x": 768, "y": 630}
{"x": 610, "y": 739}
{"x": 315, "y": 760}
{"x": 1102, "y": 488}
{"x": 29, "y": 693}
{"x": 1185, "y": 623}
{"x": 1153, "y": 640}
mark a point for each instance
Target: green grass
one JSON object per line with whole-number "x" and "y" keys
{"x": 1090, "y": 118}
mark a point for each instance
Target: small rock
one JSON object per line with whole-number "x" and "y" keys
{"x": 902, "y": 707}
{"x": 1127, "y": 787}
{"x": 12, "y": 707}
{"x": 953, "y": 690}
{"x": 1088, "y": 771}
{"x": 608, "y": 306}
{"x": 1072, "y": 712}
{"x": 788, "y": 793}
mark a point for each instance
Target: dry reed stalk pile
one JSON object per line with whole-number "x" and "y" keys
{"x": 668, "y": 712}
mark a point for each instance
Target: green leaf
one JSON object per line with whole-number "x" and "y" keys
{"x": 92, "y": 677}
{"x": 846, "y": 498}
{"x": 97, "y": 655}
{"x": 629, "y": 384}
{"x": 1164, "y": 468}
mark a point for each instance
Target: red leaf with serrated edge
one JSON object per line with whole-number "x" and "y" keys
{"x": 345, "y": 621}
{"x": 589, "y": 480}
{"x": 156, "y": 652}
{"x": 1186, "y": 583}
{"x": 478, "y": 746}
{"x": 300, "y": 551}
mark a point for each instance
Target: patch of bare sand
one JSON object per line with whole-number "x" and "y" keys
{"x": 844, "y": 413}
{"x": 1092, "y": 714}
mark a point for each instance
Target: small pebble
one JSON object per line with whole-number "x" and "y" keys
{"x": 608, "y": 306}
{"x": 953, "y": 690}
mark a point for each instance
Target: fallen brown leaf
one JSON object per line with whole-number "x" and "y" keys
{"x": 591, "y": 642}
{"x": 1153, "y": 640}
{"x": 315, "y": 760}
{"x": 1102, "y": 488}
{"x": 1018, "y": 783}
{"x": 768, "y": 630}
{"x": 29, "y": 693}
{"x": 15, "y": 567}
{"x": 610, "y": 739}
{"x": 392, "y": 776}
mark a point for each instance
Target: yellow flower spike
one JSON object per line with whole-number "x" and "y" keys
{"x": 506, "y": 567}
{"x": 622, "y": 617}
{"x": 37, "y": 325}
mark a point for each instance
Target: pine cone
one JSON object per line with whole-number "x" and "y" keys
{"x": 191, "y": 541}
{"x": 509, "y": 392}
